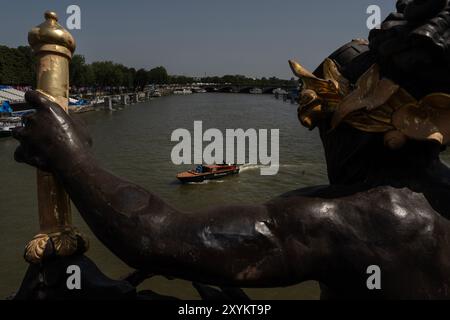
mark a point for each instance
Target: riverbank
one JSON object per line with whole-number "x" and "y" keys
{"x": 102, "y": 100}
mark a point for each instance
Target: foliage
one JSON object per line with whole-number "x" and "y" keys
{"x": 17, "y": 67}
{"x": 158, "y": 75}
{"x": 246, "y": 81}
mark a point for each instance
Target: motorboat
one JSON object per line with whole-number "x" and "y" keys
{"x": 7, "y": 123}
{"x": 198, "y": 90}
{"x": 256, "y": 91}
{"x": 156, "y": 94}
{"x": 279, "y": 91}
{"x": 207, "y": 172}
{"x": 182, "y": 91}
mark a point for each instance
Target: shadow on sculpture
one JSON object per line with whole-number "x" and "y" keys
{"x": 49, "y": 282}
{"x": 383, "y": 111}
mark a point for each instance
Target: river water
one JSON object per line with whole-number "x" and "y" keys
{"x": 135, "y": 144}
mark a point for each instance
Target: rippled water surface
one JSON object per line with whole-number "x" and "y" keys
{"x": 135, "y": 144}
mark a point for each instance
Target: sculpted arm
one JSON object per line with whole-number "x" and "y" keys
{"x": 232, "y": 245}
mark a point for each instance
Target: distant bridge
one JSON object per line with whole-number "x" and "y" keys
{"x": 231, "y": 88}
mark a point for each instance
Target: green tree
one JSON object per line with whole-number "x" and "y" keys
{"x": 105, "y": 74}
{"x": 17, "y": 66}
{"x": 129, "y": 76}
{"x": 89, "y": 76}
{"x": 77, "y": 70}
{"x": 158, "y": 75}
{"x": 182, "y": 80}
{"x": 141, "y": 79}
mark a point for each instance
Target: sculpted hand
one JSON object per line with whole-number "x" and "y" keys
{"x": 50, "y": 139}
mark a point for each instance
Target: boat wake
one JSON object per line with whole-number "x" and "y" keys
{"x": 245, "y": 168}
{"x": 249, "y": 167}
{"x": 205, "y": 182}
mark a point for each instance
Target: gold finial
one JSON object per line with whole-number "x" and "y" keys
{"x": 51, "y": 36}
{"x": 50, "y": 15}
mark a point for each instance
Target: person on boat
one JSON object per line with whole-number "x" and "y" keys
{"x": 387, "y": 203}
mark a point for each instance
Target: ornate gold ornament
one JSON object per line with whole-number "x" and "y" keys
{"x": 61, "y": 243}
{"x": 53, "y": 47}
{"x": 373, "y": 104}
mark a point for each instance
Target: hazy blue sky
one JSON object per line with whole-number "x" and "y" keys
{"x": 198, "y": 37}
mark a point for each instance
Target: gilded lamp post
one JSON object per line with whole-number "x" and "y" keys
{"x": 53, "y": 47}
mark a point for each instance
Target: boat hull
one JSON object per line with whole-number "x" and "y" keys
{"x": 7, "y": 124}
{"x": 206, "y": 176}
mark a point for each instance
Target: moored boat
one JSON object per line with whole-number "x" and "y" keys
{"x": 256, "y": 91}
{"x": 182, "y": 91}
{"x": 198, "y": 90}
{"x": 156, "y": 94}
{"x": 7, "y": 123}
{"x": 207, "y": 172}
{"x": 80, "y": 105}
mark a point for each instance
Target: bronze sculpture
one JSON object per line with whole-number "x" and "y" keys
{"x": 387, "y": 203}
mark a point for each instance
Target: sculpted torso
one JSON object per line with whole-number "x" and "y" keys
{"x": 395, "y": 229}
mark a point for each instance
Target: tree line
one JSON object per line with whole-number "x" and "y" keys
{"x": 110, "y": 74}
{"x": 17, "y": 67}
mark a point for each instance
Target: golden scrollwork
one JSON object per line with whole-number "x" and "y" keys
{"x": 62, "y": 243}
{"x": 373, "y": 104}
{"x": 319, "y": 96}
